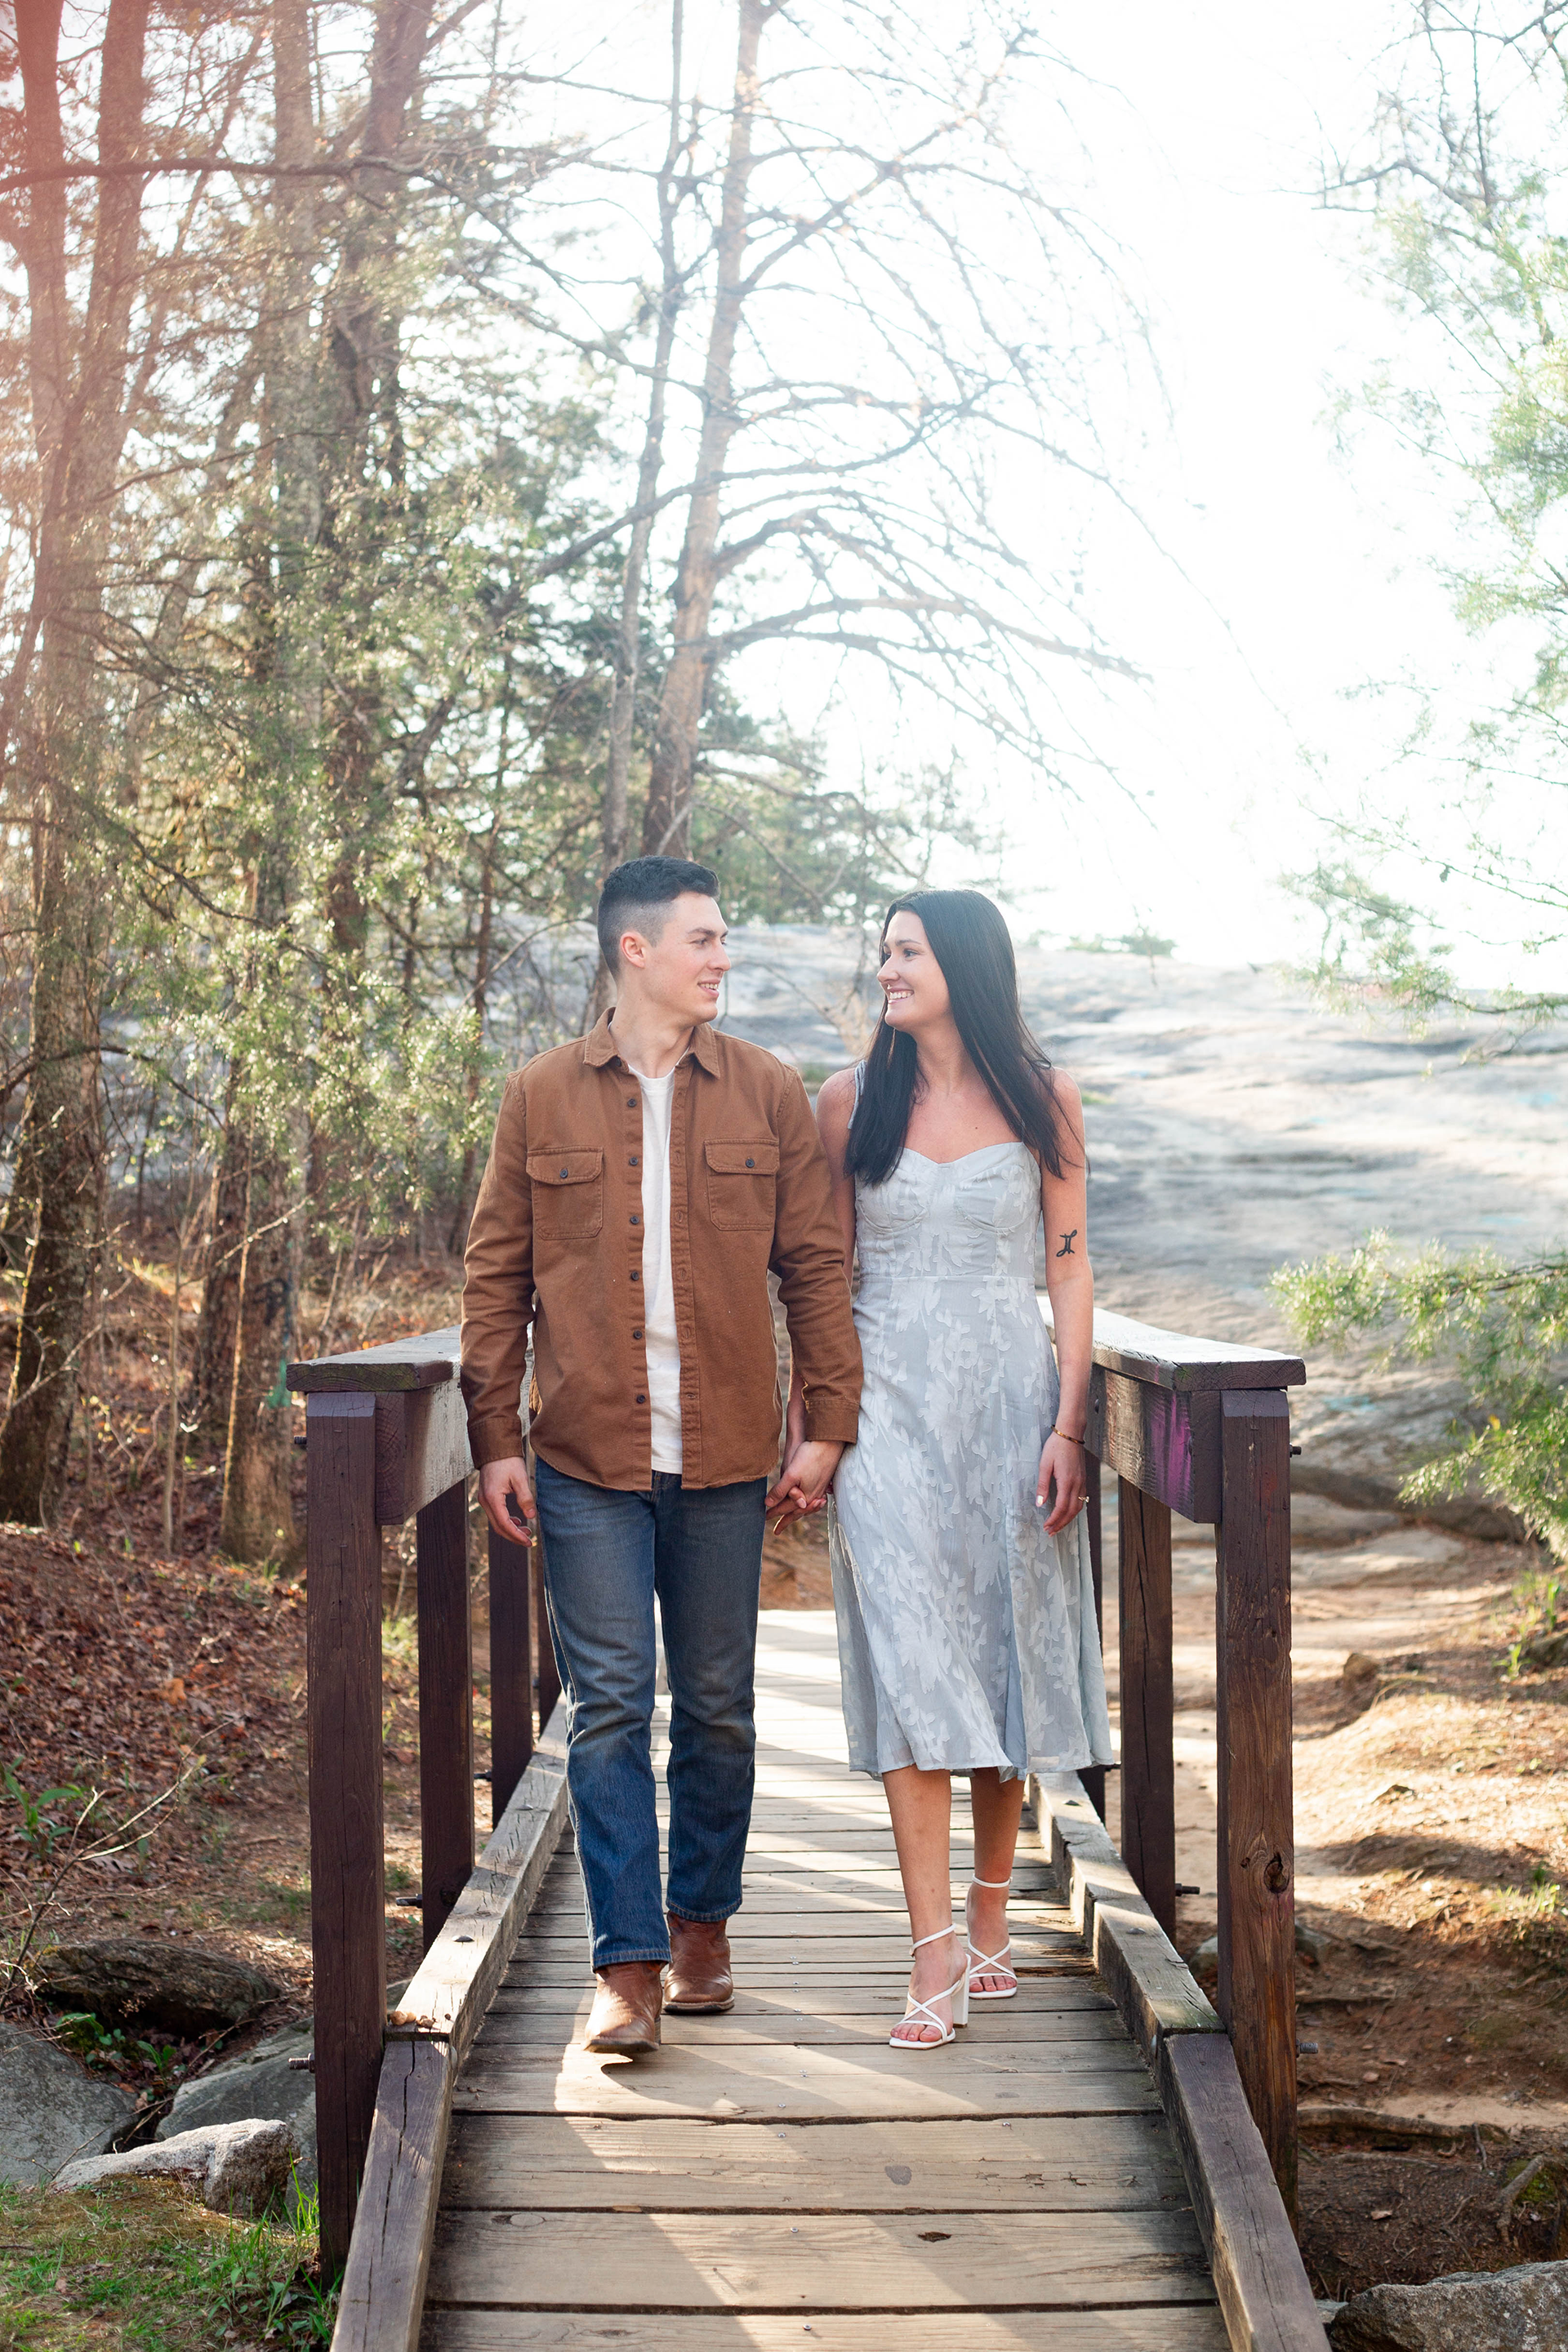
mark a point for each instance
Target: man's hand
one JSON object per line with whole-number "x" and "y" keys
{"x": 802, "y": 1485}
{"x": 508, "y": 1500}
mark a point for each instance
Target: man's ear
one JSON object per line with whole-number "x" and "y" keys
{"x": 633, "y": 948}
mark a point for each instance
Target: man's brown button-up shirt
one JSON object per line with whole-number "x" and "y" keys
{"x": 557, "y": 1239}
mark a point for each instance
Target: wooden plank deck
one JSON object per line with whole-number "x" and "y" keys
{"x": 779, "y": 2175}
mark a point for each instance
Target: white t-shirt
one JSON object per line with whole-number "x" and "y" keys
{"x": 660, "y": 1333}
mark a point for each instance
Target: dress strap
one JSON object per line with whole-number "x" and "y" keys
{"x": 860, "y": 1083}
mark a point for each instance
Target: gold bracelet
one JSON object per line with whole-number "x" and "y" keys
{"x": 1062, "y": 1433}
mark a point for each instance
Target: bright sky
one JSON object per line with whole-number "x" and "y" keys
{"x": 1293, "y": 607}
{"x": 1310, "y": 567}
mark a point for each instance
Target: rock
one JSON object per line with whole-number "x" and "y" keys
{"x": 1520, "y": 2310}
{"x": 1359, "y": 1674}
{"x": 51, "y": 2110}
{"x": 1206, "y": 1959}
{"x": 261, "y": 2083}
{"x": 156, "y": 1988}
{"x": 238, "y": 2168}
{"x": 305, "y": 2142}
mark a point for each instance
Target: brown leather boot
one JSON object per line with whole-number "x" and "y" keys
{"x": 626, "y": 2007}
{"x": 700, "y": 1983}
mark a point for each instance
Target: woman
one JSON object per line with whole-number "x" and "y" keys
{"x": 966, "y": 1631}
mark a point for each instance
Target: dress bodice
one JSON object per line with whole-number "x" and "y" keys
{"x": 972, "y": 1218}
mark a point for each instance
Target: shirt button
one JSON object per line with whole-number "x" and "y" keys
{"x": 751, "y": 1163}
{"x": 566, "y": 1172}
{"x": 636, "y": 1221}
{"x": 636, "y": 1275}
{"x": 633, "y": 1160}
{"x": 638, "y": 1333}
{"x": 631, "y": 1102}
{"x": 641, "y": 1399}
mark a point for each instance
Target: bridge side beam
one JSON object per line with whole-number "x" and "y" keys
{"x": 348, "y": 1918}
{"x": 1257, "y": 1843}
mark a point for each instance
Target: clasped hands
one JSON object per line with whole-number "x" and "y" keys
{"x": 799, "y": 1490}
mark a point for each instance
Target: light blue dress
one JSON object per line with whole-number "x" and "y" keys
{"x": 966, "y": 1635}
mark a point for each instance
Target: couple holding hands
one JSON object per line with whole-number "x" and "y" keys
{"x": 643, "y": 1183}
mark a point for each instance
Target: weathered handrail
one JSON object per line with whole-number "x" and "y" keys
{"x": 387, "y": 1440}
{"x": 1191, "y": 1426}
{"x": 1202, "y": 1428}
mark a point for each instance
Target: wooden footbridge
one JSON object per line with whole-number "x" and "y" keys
{"x": 1101, "y": 2163}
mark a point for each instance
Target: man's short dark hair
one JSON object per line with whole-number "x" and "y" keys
{"x": 634, "y": 893}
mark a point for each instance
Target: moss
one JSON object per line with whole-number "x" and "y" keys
{"x": 141, "y": 2264}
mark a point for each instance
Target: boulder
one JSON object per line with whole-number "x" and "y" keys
{"x": 1519, "y": 2310}
{"x": 262, "y": 2083}
{"x": 51, "y": 2109}
{"x": 155, "y": 1988}
{"x": 239, "y": 2167}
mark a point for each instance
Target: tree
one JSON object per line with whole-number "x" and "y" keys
{"x": 1463, "y": 236}
{"x": 79, "y": 355}
{"x": 1466, "y": 235}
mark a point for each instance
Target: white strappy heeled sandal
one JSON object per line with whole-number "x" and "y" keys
{"x": 957, "y": 1992}
{"x": 990, "y": 1963}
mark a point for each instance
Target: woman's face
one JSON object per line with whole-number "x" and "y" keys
{"x": 910, "y": 979}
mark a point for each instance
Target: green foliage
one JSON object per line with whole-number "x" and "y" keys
{"x": 114, "y": 2049}
{"x": 1543, "y": 1636}
{"x": 1466, "y": 157}
{"x": 41, "y": 1828}
{"x": 162, "y": 2272}
{"x": 1505, "y": 1327}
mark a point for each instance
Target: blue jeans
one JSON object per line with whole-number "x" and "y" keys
{"x": 606, "y": 1554}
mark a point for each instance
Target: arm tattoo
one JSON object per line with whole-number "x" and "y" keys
{"x": 1068, "y": 1241}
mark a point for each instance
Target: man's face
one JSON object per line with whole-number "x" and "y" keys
{"x": 682, "y": 971}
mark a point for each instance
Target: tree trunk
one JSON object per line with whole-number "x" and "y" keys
{"x": 364, "y": 346}
{"x": 628, "y": 636}
{"x": 78, "y": 423}
{"x": 258, "y": 1246}
{"x": 666, "y": 825}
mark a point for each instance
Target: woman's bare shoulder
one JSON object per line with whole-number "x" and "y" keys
{"x": 1066, "y": 1104}
{"x": 1065, "y": 1091}
{"x": 836, "y": 1096}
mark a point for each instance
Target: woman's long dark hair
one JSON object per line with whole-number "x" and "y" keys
{"x": 970, "y": 940}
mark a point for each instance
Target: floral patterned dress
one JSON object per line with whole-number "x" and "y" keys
{"x": 966, "y": 1635}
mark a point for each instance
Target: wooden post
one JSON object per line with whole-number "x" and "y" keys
{"x": 348, "y": 1902}
{"x": 549, "y": 1672}
{"x": 446, "y": 1706}
{"x": 511, "y": 1671}
{"x": 1093, "y": 1775}
{"x": 1257, "y": 1850}
{"x": 1148, "y": 1761}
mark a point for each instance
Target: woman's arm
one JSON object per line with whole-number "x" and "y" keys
{"x": 835, "y": 1110}
{"x": 1069, "y": 1280}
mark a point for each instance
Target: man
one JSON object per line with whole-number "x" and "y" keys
{"x": 642, "y": 1182}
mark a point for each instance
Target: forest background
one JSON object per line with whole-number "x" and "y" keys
{"x": 440, "y": 460}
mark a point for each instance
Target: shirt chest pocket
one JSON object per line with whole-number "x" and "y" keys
{"x": 568, "y": 1190}
{"x": 742, "y": 1185}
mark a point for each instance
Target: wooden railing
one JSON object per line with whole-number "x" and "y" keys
{"x": 1202, "y": 1428}
{"x": 387, "y": 1440}
{"x": 1189, "y": 1425}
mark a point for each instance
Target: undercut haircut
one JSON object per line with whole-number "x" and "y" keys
{"x": 639, "y": 896}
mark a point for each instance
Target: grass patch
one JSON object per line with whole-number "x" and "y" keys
{"x": 142, "y": 2264}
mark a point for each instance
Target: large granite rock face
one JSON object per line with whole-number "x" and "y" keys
{"x": 155, "y": 1987}
{"x": 1522, "y": 2310}
{"x": 262, "y": 2084}
{"x": 241, "y": 2168}
{"x": 1235, "y": 1125}
{"x": 51, "y": 2110}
